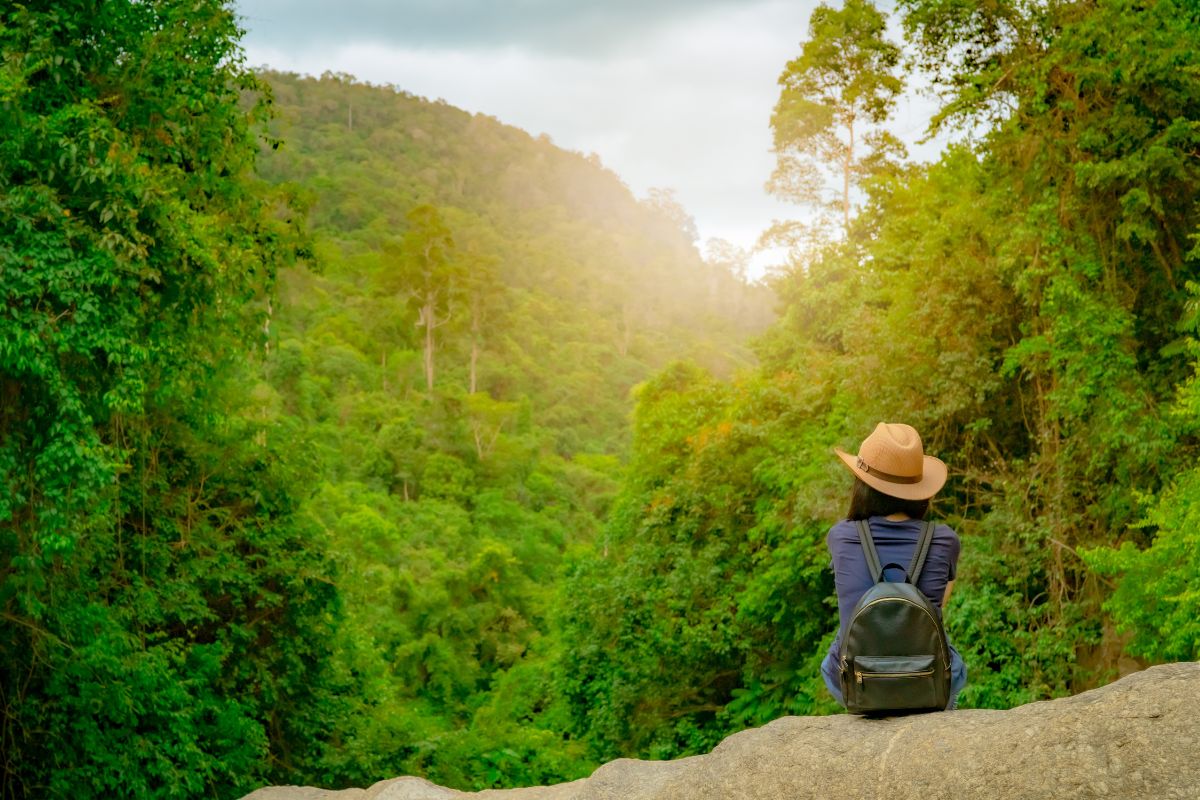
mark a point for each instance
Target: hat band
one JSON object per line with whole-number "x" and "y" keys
{"x": 887, "y": 476}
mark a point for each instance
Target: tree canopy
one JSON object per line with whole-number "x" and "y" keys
{"x": 345, "y": 434}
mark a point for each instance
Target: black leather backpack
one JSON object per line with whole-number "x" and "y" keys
{"x": 895, "y": 658}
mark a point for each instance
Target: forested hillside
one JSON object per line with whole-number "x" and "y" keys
{"x": 549, "y": 280}
{"x": 1028, "y": 302}
{"x": 454, "y": 362}
{"x": 345, "y": 434}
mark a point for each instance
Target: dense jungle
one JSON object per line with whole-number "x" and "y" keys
{"x": 345, "y": 434}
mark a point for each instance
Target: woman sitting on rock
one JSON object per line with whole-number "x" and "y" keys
{"x": 894, "y": 481}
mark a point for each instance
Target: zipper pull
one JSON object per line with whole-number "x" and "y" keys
{"x": 858, "y": 675}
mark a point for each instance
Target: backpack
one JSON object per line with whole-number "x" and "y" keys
{"x": 895, "y": 657}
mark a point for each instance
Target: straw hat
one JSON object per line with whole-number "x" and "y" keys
{"x": 892, "y": 460}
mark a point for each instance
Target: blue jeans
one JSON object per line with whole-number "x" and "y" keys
{"x": 830, "y": 670}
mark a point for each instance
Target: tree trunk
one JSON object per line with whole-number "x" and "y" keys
{"x": 474, "y": 361}
{"x": 478, "y": 442}
{"x": 427, "y": 315}
{"x": 847, "y": 165}
{"x": 267, "y": 327}
{"x": 626, "y": 329}
{"x": 476, "y": 327}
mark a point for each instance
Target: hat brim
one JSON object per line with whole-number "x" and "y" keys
{"x": 933, "y": 478}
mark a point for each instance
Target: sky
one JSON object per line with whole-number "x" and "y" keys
{"x": 673, "y": 94}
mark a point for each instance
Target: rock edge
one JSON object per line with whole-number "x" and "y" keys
{"x": 1136, "y": 738}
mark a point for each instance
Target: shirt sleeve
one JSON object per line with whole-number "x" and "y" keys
{"x": 955, "y": 548}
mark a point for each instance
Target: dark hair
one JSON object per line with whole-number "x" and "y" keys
{"x": 866, "y": 501}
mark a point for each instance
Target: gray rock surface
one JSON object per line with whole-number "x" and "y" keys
{"x": 1136, "y": 738}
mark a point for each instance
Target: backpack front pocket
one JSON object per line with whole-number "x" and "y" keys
{"x": 895, "y": 682}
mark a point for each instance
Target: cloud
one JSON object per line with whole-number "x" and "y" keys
{"x": 547, "y": 26}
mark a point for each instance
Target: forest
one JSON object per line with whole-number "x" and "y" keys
{"x": 345, "y": 434}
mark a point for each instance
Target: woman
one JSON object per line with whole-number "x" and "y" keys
{"x": 894, "y": 482}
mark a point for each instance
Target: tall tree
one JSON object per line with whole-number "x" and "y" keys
{"x": 484, "y": 295}
{"x": 431, "y": 271}
{"x": 834, "y": 100}
{"x": 680, "y": 224}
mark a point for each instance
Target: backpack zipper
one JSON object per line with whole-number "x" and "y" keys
{"x": 860, "y": 675}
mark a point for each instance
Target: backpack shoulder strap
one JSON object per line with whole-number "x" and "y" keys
{"x": 868, "y": 546}
{"x": 918, "y": 562}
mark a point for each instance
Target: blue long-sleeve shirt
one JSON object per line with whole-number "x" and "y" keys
{"x": 896, "y": 541}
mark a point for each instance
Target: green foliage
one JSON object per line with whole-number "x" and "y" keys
{"x": 1007, "y": 302}
{"x": 1020, "y": 301}
{"x": 249, "y": 534}
{"x": 543, "y": 291}
{"x": 163, "y": 614}
{"x": 703, "y": 609}
{"x": 114, "y": 241}
{"x": 1157, "y": 600}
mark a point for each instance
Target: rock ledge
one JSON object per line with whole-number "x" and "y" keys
{"x": 1136, "y": 738}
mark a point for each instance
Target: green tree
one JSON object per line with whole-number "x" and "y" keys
{"x": 431, "y": 272}
{"x": 835, "y": 98}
